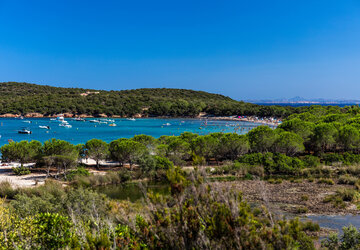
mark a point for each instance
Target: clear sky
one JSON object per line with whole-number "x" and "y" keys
{"x": 245, "y": 49}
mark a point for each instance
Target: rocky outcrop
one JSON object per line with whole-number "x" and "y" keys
{"x": 9, "y": 115}
{"x": 34, "y": 115}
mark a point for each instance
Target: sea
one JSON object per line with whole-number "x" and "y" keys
{"x": 82, "y": 131}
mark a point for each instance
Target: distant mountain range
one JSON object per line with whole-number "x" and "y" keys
{"x": 301, "y": 100}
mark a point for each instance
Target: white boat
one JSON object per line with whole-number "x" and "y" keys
{"x": 52, "y": 119}
{"x": 78, "y": 119}
{"x": 167, "y": 124}
{"x": 27, "y": 121}
{"x": 95, "y": 121}
{"x": 66, "y": 125}
{"x": 44, "y": 127}
{"x": 131, "y": 119}
{"x": 60, "y": 118}
{"x": 24, "y": 131}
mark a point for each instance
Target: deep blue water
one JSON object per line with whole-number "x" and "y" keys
{"x": 307, "y": 104}
{"x": 84, "y": 131}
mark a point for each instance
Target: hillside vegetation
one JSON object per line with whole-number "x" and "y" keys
{"x": 23, "y": 98}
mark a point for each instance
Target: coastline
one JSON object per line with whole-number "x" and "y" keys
{"x": 253, "y": 119}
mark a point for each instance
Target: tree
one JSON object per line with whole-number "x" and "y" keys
{"x": 324, "y": 137}
{"x": 22, "y": 152}
{"x": 126, "y": 150}
{"x": 349, "y": 137}
{"x": 289, "y": 143}
{"x": 300, "y": 127}
{"x": 178, "y": 150}
{"x": 232, "y": 146}
{"x": 96, "y": 149}
{"x": 60, "y": 154}
{"x": 205, "y": 146}
{"x": 261, "y": 139}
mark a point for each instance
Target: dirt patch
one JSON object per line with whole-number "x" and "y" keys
{"x": 288, "y": 196}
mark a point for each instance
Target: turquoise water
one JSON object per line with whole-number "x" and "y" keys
{"x": 84, "y": 131}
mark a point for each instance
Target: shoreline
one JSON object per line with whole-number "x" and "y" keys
{"x": 253, "y": 119}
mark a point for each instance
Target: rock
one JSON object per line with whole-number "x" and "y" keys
{"x": 34, "y": 115}
{"x": 9, "y": 115}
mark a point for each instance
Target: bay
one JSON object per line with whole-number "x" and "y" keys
{"x": 125, "y": 128}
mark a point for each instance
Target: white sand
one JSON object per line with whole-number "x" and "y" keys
{"x": 30, "y": 180}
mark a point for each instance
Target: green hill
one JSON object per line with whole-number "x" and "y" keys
{"x": 23, "y": 98}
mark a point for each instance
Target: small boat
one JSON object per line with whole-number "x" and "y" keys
{"x": 66, "y": 125}
{"x": 112, "y": 125}
{"x": 44, "y": 127}
{"x": 60, "y": 118}
{"x": 52, "y": 119}
{"x": 78, "y": 119}
{"x": 167, "y": 124}
{"x": 94, "y": 121}
{"x": 131, "y": 119}
{"x": 24, "y": 131}
{"x": 27, "y": 121}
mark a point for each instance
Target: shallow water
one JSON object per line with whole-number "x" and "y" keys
{"x": 336, "y": 222}
{"x": 84, "y": 131}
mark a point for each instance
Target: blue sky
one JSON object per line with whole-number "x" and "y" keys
{"x": 242, "y": 49}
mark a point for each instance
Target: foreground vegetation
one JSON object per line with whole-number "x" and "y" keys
{"x": 320, "y": 145}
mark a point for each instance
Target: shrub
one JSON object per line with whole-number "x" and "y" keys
{"x": 310, "y": 226}
{"x": 53, "y": 230}
{"x": 353, "y": 170}
{"x": 326, "y": 181}
{"x": 347, "y": 179}
{"x": 274, "y": 181}
{"x": 80, "y": 171}
{"x": 304, "y": 197}
{"x": 21, "y": 170}
{"x": 311, "y": 161}
{"x": 349, "y": 240}
{"x": 302, "y": 210}
{"x": 6, "y": 190}
{"x": 347, "y": 194}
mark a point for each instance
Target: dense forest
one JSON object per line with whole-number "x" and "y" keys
{"x": 23, "y": 98}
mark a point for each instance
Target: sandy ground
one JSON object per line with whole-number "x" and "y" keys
{"x": 38, "y": 178}
{"x": 287, "y": 196}
{"x": 30, "y": 180}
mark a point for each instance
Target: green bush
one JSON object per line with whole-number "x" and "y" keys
{"x": 21, "y": 170}
{"x": 311, "y": 161}
{"x": 79, "y": 171}
{"x": 302, "y": 210}
{"x": 310, "y": 226}
{"x": 6, "y": 190}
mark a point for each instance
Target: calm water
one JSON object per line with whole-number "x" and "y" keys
{"x": 84, "y": 131}
{"x": 132, "y": 191}
{"x": 336, "y": 222}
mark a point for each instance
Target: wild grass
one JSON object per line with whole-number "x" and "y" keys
{"x": 6, "y": 190}
{"x": 327, "y": 181}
